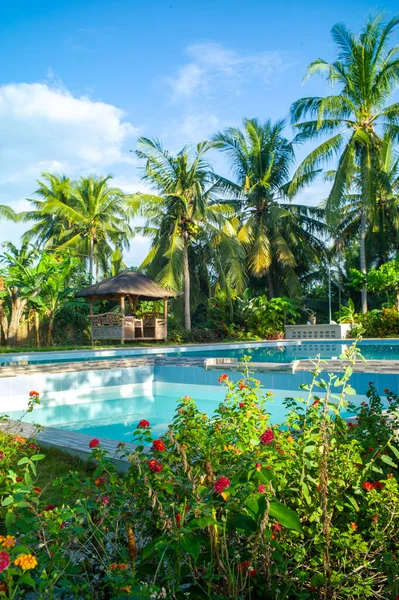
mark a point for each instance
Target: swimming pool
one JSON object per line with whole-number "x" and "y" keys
{"x": 260, "y": 352}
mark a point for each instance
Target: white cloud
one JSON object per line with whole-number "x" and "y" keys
{"x": 213, "y": 66}
{"x": 44, "y": 127}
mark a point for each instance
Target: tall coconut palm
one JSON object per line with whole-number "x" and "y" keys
{"x": 184, "y": 217}
{"x": 382, "y": 230}
{"x": 273, "y": 230}
{"x": 354, "y": 119}
{"x": 83, "y": 215}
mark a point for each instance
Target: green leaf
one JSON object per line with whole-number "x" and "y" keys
{"x": 394, "y": 450}
{"x": 349, "y": 390}
{"x": 243, "y": 524}
{"x": 38, "y": 457}
{"x": 264, "y": 475}
{"x": 388, "y": 460}
{"x": 252, "y": 505}
{"x": 168, "y": 487}
{"x": 201, "y": 523}
{"x": 287, "y": 517}
{"x": 191, "y": 545}
{"x": 7, "y": 501}
{"x": 23, "y": 461}
{"x": 155, "y": 546}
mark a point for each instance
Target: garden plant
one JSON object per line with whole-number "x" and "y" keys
{"x": 228, "y": 506}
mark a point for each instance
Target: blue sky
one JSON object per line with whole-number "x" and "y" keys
{"x": 81, "y": 80}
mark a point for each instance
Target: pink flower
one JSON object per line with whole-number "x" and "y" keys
{"x": 143, "y": 424}
{"x": 4, "y": 561}
{"x": 267, "y": 437}
{"x": 94, "y": 443}
{"x": 261, "y": 488}
{"x": 105, "y": 500}
{"x": 221, "y": 484}
{"x": 99, "y": 481}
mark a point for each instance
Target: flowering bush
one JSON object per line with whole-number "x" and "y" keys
{"x": 226, "y": 507}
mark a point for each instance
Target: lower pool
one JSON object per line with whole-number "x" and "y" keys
{"x": 116, "y": 417}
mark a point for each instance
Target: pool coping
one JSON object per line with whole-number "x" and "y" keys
{"x": 71, "y": 442}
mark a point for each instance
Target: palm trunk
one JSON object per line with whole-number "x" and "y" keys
{"x": 17, "y": 310}
{"x": 270, "y": 284}
{"x": 186, "y": 276}
{"x": 37, "y": 329}
{"x": 91, "y": 257}
{"x": 363, "y": 266}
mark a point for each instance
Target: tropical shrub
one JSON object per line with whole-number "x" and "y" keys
{"x": 224, "y": 507}
{"x": 266, "y": 317}
{"x": 377, "y": 323}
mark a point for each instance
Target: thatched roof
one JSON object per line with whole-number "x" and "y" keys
{"x": 129, "y": 283}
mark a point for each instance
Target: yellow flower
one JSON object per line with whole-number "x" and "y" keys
{"x": 8, "y": 541}
{"x": 290, "y": 438}
{"x": 19, "y": 439}
{"x": 127, "y": 589}
{"x": 25, "y": 561}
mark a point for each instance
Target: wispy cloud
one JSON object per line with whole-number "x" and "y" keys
{"x": 213, "y": 66}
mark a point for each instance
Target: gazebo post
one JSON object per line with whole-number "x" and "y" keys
{"x": 165, "y": 315}
{"x": 91, "y": 320}
{"x": 123, "y": 319}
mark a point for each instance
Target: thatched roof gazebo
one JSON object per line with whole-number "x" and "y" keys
{"x": 131, "y": 286}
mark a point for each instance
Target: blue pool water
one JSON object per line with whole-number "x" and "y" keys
{"x": 262, "y": 352}
{"x": 116, "y": 418}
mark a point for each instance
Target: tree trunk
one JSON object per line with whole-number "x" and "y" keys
{"x": 50, "y": 331}
{"x": 270, "y": 284}
{"x": 397, "y": 299}
{"x": 37, "y": 329}
{"x": 363, "y": 266}
{"x": 17, "y": 309}
{"x": 186, "y": 275}
{"x": 91, "y": 257}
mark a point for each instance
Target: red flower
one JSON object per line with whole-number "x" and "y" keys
{"x": 19, "y": 479}
{"x": 158, "y": 445}
{"x": 223, "y": 377}
{"x": 221, "y": 484}
{"x": 63, "y": 525}
{"x": 244, "y": 565}
{"x": 143, "y": 424}
{"x": 99, "y": 481}
{"x": 49, "y": 507}
{"x": 277, "y": 527}
{"x": 252, "y": 572}
{"x": 4, "y": 561}
{"x": 37, "y": 490}
{"x": 94, "y": 443}
{"x": 258, "y": 466}
{"x": 267, "y": 437}
{"x": 241, "y": 405}
{"x": 368, "y": 486}
{"x": 178, "y": 518}
{"x": 242, "y": 385}
{"x": 353, "y": 525}
{"x": 154, "y": 465}
{"x": 316, "y": 403}
{"x": 386, "y": 391}
{"x": 374, "y": 518}
{"x": 378, "y": 485}
{"x": 261, "y": 488}
{"x": 32, "y": 447}
{"x": 34, "y": 394}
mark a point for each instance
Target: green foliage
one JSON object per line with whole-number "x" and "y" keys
{"x": 224, "y": 507}
{"x": 378, "y": 323}
{"x": 267, "y": 317}
{"x": 348, "y": 313}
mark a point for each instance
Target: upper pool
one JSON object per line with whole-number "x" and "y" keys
{"x": 260, "y": 352}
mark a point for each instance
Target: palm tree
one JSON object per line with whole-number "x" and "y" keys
{"x": 382, "y": 231}
{"x": 7, "y": 212}
{"x": 87, "y": 215}
{"x": 184, "y": 218}
{"x": 355, "y": 118}
{"x": 274, "y": 231}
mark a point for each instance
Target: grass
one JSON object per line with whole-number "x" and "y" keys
{"x": 56, "y": 464}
